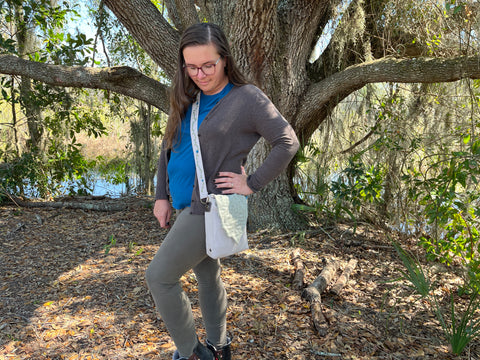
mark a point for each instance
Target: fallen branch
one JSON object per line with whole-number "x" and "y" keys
{"x": 343, "y": 279}
{"x": 367, "y": 246}
{"x": 97, "y": 205}
{"x": 297, "y": 282}
{"x": 17, "y": 228}
{"x": 321, "y": 282}
{"x": 313, "y": 294}
{"x": 322, "y": 353}
{"x": 319, "y": 320}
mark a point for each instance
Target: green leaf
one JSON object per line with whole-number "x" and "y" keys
{"x": 301, "y": 207}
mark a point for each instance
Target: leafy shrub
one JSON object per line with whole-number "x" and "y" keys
{"x": 450, "y": 199}
{"x": 32, "y": 175}
{"x": 459, "y": 330}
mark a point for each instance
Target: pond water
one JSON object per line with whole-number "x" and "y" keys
{"x": 100, "y": 186}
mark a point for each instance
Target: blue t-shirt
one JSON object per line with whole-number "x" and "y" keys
{"x": 181, "y": 166}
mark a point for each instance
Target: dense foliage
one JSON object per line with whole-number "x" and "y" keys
{"x": 40, "y": 151}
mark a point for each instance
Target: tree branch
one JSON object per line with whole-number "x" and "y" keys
{"x": 299, "y": 23}
{"x": 326, "y": 94}
{"x": 122, "y": 79}
{"x": 173, "y": 14}
{"x": 296, "y": 260}
{"x": 362, "y": 140}
{"x": 188, "y": 13}
{"x": 147, "y": 25}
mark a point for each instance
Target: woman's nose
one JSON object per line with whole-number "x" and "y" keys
{"x": 201, "y": 74}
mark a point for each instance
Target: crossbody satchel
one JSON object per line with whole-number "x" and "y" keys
{"x": 225, "y": 215}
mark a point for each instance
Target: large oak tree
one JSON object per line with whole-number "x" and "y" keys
{"x": 272, "y": 41}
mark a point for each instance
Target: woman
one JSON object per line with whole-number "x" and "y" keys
{"x": 233, "y": 116}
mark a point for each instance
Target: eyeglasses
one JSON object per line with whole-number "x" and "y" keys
{"x": 207, "y": 69}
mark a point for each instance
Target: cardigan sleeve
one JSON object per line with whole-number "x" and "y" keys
{"x": 161, "y": 191}
{"x": 273, "y": 127}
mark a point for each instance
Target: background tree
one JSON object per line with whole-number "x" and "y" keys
{"x": 34, "y": 30}
{"x": 143, "y": 120}
{"x": 273, "y": 42}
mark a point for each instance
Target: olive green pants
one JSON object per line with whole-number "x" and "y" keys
{"x": 183, "y": 249}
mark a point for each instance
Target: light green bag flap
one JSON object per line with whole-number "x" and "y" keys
{"x": 233, "y": 212}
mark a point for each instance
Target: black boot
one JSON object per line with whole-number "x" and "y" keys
{"x": 223, "y": 353}
{"x": 200, "y": 352}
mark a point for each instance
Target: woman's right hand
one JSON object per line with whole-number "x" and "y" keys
{"x": 163, "y": 212}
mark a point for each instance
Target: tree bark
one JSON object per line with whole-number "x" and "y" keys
{"x": 319, "y": 320}
{"x": 187, "y": 13}
{"x": 271, "y": 208}
{"x": 25, "y": 39}
{"x": 95, "y": 206}
{"x": 121, "y": 79}
{"x": 296, "y": 260}
{"x": 147, "y": 25}
{"x": 343, "y": 279}
{"x": 319, "y": 285}
{"x": 313, "y": 294}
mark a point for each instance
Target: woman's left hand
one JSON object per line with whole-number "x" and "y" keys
{"x": 233, "y": 183}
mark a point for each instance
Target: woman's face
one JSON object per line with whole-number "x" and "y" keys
{"x": 211, "y": 78}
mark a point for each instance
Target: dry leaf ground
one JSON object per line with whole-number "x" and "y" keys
{"x": 62, "y": 296}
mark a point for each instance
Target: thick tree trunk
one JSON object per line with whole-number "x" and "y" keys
{"x": 271, "y": 208}
{"x": 271, "y": 43}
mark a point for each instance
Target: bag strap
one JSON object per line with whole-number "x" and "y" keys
{"x": 197, "y": 154}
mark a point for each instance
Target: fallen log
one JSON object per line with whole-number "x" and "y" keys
{"x": 318, "y": 318}
{"x": 319, "y": 285}
{"x": 313, "y": 292}
{"x": 299, "y": 273}
{"x": 96, "y": 205}
{"x": 343, "y": 279}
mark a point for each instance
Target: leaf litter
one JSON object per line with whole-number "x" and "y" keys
{"x": 64, "y": 296}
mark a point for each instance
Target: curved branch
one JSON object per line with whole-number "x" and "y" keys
{"x": 147, "y": 25}
{"x": 326, "y": 94}
{"x": 299, "y": 24}
{"x": 122, "y": 79}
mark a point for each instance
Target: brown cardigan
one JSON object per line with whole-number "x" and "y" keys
{"x": 228, "y": 133}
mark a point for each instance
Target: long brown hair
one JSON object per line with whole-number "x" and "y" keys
{"x": 184, "y": 89}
